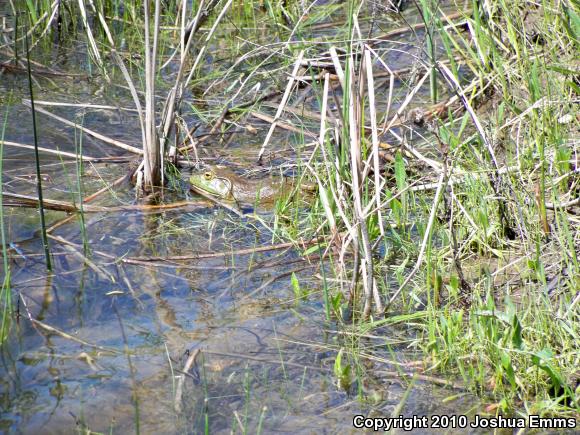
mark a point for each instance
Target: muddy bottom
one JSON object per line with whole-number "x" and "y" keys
{"x": 112, "y": 332}
{"x": 100, "y": 343}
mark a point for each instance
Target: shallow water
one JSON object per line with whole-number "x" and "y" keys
{"x": 99, "y": 343}
{"x": 263, "y": 354}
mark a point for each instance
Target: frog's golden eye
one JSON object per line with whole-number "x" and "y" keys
{"x": 207, "y": 175}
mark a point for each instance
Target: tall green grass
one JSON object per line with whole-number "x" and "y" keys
{"x": 6, "y": 292}
{"x": 478, "y": 253}
{"x": 509, "y": 156}
{"x": 37, "y": 164}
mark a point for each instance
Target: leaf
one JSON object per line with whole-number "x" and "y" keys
{"x": 342, "y": 373}
{"x": 296, "y": 286}
{"x": 506, "y": 363}
{"x": 517, "y": 340}
{"x": 313, "y": 249}
{"x": 338, "y": 364}
{"x": 504, "y": 318}
{"x": 542, "y": 360}
{"x": 563, "y": 70}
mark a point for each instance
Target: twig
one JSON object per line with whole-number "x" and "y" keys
{"x": 50, "y": 151}
{"x": 63, "y": 334}
{"x": 92, "y": 133}
{"x": 282, "y": 124}
{"x": 177, "y": 402}
{"x": 18, "y": 200}
{"x": 285, "y": 97}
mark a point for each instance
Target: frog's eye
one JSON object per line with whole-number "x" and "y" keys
{"x": 207, "y": 175}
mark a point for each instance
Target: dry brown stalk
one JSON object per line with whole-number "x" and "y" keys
{"x": 282, "y": 125}
{"x": 374, "y": 138}
{"x": 152, "y": 147}
{"x": 222, "y": 254}
{"x": 177, "y": 402}
{"x": 89, "y": 199}
{"x": 92, "y": 133}
{"x": 17, "y": 200}
{"x": 421, "y": 25}
{"x": 49, "y": 151}
{"x": 283, "y": 102}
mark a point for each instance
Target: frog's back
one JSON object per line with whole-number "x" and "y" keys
{"x": 262, "y": 190}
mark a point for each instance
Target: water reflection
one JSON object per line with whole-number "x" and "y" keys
{"x": 99, "y": 343}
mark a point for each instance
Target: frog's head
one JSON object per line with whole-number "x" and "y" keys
{"x": 210, "y": 183}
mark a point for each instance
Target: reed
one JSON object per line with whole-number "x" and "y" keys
{"x": 37, "y": 164}
{"x": 79, "y": 189}
{"x": 447, "y": 234}
{"x": 466, "y": 225}
{"x": 6, "y": 292}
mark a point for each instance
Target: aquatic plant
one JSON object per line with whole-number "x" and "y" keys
{"x": 447, "y": 189}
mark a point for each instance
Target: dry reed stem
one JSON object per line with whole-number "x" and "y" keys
{"x": 374, "y": 138}
{"x": 337, "y": 67}
{"x": 397, "y": 116}
{"x": 459, "y": 90}
{"x": 355, "y": 102}
{"x": 283, "y": 102}
{"x": 54, "y": 8}
{"x": 103, "y": 274}
{"x": 152, "y": 169}
{"x": 123, "y": 68}
{"x": 80, "y": 105}
{"x": 50, "y": 151}
{"x": 177, "y": 402}
{"x": 321, "y": 143}
{"x": 206, "y": 42}
{"x": 92, "y": 133}
{"x": 283, "y": 125}
{"x": 94, "y": 50}
{"x": 174, "y": 97}
{"x": 440, "y": 187}
{"x": 17, "y": 200}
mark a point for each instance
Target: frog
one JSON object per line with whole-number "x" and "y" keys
{"x": 224, "y": 184}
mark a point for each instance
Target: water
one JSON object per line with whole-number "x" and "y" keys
{"x": 99, "y": 343}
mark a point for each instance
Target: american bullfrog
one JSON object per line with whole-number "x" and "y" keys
{"x": 226, "y": 185}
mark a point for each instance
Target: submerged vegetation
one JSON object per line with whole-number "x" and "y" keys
{"x": 441, "y": 141}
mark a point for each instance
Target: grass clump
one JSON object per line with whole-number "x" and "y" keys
{"x": 447, "y": 193}
{"x": 496, "y": 268}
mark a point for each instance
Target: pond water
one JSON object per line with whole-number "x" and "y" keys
{"x": 100, "y": 343}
